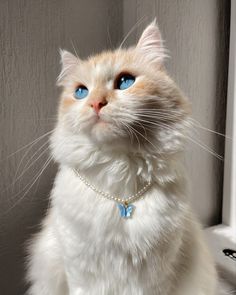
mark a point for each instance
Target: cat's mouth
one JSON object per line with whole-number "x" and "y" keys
{"x": 100, "y": 124}
{"x": 103, "y": 128}
{"x": 99, "y": 119}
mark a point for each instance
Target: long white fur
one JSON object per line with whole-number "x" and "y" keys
{"x": 86, "y": 248}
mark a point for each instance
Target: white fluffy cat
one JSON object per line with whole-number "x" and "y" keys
{"x": 121, "y": 126}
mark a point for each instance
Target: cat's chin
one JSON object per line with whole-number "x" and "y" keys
{"x": 103, "y": 131}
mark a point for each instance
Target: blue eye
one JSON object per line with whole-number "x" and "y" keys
{"x": 81, "y": 92}
{"x": 125, "y": 81}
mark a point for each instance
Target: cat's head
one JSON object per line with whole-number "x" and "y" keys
{"x": 121, "y": 99}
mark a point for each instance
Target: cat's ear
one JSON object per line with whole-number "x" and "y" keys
{"x": 150, "y": 45}
{"x": 69, "y": 62}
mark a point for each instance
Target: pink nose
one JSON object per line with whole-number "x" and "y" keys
{"x": 98, "y": 104}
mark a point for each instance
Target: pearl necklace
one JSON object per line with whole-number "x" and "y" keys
{"x": 124, "y": 204}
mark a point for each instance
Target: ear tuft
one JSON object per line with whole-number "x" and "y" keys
{"x": 150, "y": 44}
{"x": 69, "y": 62}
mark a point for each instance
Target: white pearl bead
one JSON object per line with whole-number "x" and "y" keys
{"x": 138, "y": 195}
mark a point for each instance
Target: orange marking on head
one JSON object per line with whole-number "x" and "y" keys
{"x": 66, "y": 103}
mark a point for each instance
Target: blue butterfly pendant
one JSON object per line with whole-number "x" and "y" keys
{"x": 126, "y": 210}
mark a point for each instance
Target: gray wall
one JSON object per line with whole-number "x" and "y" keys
{"x": 196, "y": 33}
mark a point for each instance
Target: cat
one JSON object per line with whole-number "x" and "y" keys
{"x": 121, "y": 129}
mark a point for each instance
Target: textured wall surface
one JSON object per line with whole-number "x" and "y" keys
{"x": 196, "y": 33}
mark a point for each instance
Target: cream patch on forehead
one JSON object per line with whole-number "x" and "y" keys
{"x": 106, "y": 69}
{"x": 103, "y": 71}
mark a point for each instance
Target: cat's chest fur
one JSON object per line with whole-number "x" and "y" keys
{"x": 98, "y": 243}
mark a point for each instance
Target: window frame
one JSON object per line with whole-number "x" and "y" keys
{"x": 229, "y": 193}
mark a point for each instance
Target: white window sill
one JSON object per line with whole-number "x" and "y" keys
{"x": 222, "y": 237}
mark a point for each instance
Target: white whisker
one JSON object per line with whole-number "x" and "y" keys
{"x": 199, "y": 125}
{"x": 25, "y": 170}
{"x": 27, "y": 145}
{"x": 30, "y": 185}
{"x": 206, "y": 148}
{"x": 131, "y": 31}
{"x": 26, "y": 153}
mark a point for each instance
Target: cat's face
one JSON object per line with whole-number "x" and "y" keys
{"x": 122, "y": 97}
